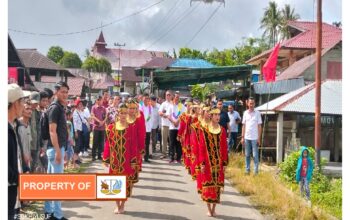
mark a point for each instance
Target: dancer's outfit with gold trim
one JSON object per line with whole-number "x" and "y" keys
{"x": 213, "y": 156}
{"x": 194, "y": 140}
{"x": 138, "y": 132}
{"x": 184, "y": 135}
{"x": 120, "y": 154}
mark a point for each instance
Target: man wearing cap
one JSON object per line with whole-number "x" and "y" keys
{"x": 35, "y": 131}
{"x": 14, "y": 109}
{"x": 57, "y": 143}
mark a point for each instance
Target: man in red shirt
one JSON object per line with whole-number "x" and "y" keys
{"x": 105, "y": 99}
{"x": 99, "y": 117}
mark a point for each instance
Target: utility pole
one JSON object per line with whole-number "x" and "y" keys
{"x": 119, "y": 67}
{"x": 318, "y": 84}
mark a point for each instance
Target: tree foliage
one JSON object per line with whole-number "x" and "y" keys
{"x": 238, "y": 55}
{"x": 70, "y": 60}
{"x": 200, "y": 91}
{"x": 97, "y": 65}
{"x": 274, "y": 22}
{"x": 55, "y": 53}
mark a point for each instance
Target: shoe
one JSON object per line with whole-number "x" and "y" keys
{"x": 63, "y": 218}
{"x": 99, "y": 158}
{"x": 178, "y": 161}
{"x": 150, "y": 156}
{"x": 80, "y": 154}
{"x": 171, "y": 161}
{"x": 85, "y": 154}
{"x": 78, "y": 162}
{"x": 48, "y": 216}
{"x": 93, "y": 159}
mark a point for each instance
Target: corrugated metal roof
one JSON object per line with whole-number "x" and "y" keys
{"x": 278, "y": 87}
{"x": 303, "y": 100}
{"x": 191, "y": 63}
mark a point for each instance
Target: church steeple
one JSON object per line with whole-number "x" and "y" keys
{"x": 100, "y": 44}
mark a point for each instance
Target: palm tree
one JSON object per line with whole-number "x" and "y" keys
{"x": 287, "y": 14}
{"x": 271, "y": 22}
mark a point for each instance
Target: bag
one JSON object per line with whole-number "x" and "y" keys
{"x": 44, "y": 124}
{"x": 85, "y": 128}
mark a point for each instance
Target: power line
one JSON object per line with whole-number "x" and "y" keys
{"x": 205, "y": 23}
{"x": 174, "y": 26}
{"x": 91, "y": 29}
{"x": 162, "y": 21}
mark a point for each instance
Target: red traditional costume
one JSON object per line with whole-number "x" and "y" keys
{"x": 184, "y": 135}
{"x": 212, "y": 157}
{"x": 194, "y": 139}
{"x": 120, "y": 154}
{"x": 139, "y": 132}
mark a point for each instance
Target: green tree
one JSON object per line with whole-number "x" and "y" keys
{"x": 270, "y": 22}
{"x": 70, "y": 60}
{"x": 287, "y": 14}
{"x": 90, "y": 63}
{"x": 55, "y": 53}
{"x": 186, "y": 52}
{"x": 104, "y": 65}
{"x": 98, "y": 65}
{"x": 201, "y": 91}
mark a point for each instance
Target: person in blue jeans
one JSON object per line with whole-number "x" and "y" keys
{"x": 304, "y": 172}
{"x": 56, "y": 144}
{"x": 251, "y": 134}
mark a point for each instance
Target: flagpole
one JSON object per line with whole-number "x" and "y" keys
{"x": 265, "y": 119}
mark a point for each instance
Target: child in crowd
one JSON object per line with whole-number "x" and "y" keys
{"x": 304, "y": 172}
{"x": 69, "y": 155}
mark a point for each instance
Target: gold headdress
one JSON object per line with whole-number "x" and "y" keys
{"x": 132, "y": 104}
{"x": 123, "y": 108}
{"x": 214, "y": 111}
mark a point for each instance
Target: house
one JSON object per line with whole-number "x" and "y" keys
{"x": 16, "y": 71}
{"x": 37, "y": 65}
{"x": 120, "y": 58}
{"x": 296, "y": 58}
{"x": 291, "y": 120}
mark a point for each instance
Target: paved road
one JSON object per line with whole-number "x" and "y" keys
{"x": 165, "y": 191}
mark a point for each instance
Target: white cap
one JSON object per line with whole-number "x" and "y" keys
{"x": 15, "y": 92}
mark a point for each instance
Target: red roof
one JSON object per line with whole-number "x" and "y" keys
{"x": 104, "y": 82}
{"x": 75, "y": 83}
{"x": 128, "y": 74}
{"x": 159, "y": 63}
{"x": 101, "y": 39}
{"x": 331, "y": 35}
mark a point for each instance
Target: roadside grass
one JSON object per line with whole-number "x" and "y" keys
{"x": 269, "y": 194}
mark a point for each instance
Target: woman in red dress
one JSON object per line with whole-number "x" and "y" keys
{"x": 184, "y": 136}
{"x": 136, "y": 122}
{"x": 213, "y": 159}
{"x": 119, "y": 154}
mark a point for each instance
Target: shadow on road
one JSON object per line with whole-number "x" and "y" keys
{"x": 235, "y": 204}
{"x": 159, "y": 168}
{"x": 162, "y": 173}
{"x": 225, "y": 217}
{"x": 70, "y": 214}
{"x": 151, "y": 215}
{"x": 159, "y": 188}
{"x": 161, "y": 180}
{"x": 78, "y": 204}
{"x": 161, "y": 199}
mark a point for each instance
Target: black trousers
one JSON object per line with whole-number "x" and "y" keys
{"x": 83, "y": 141}
{"x": 98, "y": 143}
{"x": 12, "y": 195}
{"x": 147, "y": 142}
{"x": 154, "y": 139}
{"x": 175, "y": 146}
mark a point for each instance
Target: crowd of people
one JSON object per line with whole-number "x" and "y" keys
{"x": 48, "y": 133}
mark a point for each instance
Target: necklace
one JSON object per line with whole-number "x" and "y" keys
{"x": 120, "y": 126}
{"x": 214, "y": 130}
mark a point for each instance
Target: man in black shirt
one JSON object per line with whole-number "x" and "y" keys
{"x": 224, "y": 119}
{"x": 57, "y": 143}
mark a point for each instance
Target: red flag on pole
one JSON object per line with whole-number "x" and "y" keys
{"x": 269, "y": 68}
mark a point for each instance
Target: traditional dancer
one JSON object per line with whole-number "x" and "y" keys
{"x": 136, "y": 121}
{"x": 184, "y": 135}
{"x": 194, "y": 139}
{"x": 119, "y": 153}
{"x": 213, "y": 159}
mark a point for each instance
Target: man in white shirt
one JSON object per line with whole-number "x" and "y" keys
{"x": 155, "y": 122}
{"x": 251, "y": 134}
{"x": 164, "y": 113}
{"x": 174, "y": 117}
{"x": 79, "y": 118}
{"x": 147, "y": 110}
{"x": 235, "y": 119}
